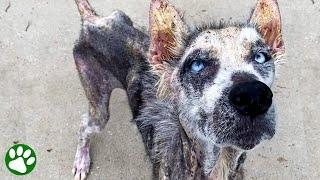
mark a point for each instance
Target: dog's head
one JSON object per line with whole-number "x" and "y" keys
{"x": 219, "y": 76}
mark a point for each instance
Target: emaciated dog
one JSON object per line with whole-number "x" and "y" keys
{"x": 200, "y": 96}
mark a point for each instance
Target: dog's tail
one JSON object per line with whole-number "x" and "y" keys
{"x": 86, "y": 11}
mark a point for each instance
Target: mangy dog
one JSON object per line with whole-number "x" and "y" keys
{"x": 200, "y": 97}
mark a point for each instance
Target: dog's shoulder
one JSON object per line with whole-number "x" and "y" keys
{"x": 159, "y": 120}
{"x": 161, "y": 132}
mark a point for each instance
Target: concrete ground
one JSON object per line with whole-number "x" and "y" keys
{"x": 41, "y": 99}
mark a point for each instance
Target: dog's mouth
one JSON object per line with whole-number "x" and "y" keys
{"x": 247, "y": 116}
{"x": 250, "y": 139}
{"x": 241, "y": 131}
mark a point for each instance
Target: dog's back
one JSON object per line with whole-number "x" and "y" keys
{"x": 111, "y": 53}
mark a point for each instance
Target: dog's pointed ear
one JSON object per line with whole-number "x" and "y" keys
{"x": 167, "y": 30}
{"x": 267, "y": 17}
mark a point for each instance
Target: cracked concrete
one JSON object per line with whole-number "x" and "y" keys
{"x": 41, "y": 99}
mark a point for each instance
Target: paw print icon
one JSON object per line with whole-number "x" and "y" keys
{"x": 20, "y": 159}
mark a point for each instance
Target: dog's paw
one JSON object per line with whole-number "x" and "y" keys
{"x": 21, "y": 159}
{"x": 81, "y": 164}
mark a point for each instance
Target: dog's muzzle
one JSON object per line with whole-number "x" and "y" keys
{"x": 251, "y": 98}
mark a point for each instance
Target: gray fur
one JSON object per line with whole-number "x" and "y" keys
{"x": 184, "y": 137}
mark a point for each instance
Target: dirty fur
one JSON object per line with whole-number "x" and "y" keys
{"x": 190, "y": 128}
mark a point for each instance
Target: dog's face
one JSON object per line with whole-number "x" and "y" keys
{"x": 225, "y": 77}
{"x": 221, "y": 76}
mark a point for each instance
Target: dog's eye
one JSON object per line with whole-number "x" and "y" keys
{"x": 260, "y": 57}
{"x": 197, "y": 66}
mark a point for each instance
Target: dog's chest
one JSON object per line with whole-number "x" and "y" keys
{"x": 188, "y": 164}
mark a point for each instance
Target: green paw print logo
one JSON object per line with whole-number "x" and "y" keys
{"x": 20, "y": 159}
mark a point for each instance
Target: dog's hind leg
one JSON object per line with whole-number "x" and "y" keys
{"x": 105, "y": 54}
{"x": 98, "y": 83}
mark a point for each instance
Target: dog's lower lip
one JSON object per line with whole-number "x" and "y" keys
{"x": 247, "y": 145}
{"x": 248, "y": 140}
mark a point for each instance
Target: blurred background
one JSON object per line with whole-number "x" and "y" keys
{"x": 41, "y": 98}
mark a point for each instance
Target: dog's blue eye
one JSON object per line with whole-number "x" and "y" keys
{"x": 260, "y": 57}
{"x": 197, "y": 66}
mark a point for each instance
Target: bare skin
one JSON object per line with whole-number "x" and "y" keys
{"x": 111, "y": 53}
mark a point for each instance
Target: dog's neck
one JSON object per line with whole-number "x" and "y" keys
{"x": 181, "y": 155}
{"x": 208, "y": 161}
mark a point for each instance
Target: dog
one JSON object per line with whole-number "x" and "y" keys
{"x": 201, "y": 97}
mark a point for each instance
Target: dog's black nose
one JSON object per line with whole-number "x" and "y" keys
{"x": 251, "y": 98}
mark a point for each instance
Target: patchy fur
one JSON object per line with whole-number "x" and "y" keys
{"x": 179, "y": 84}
